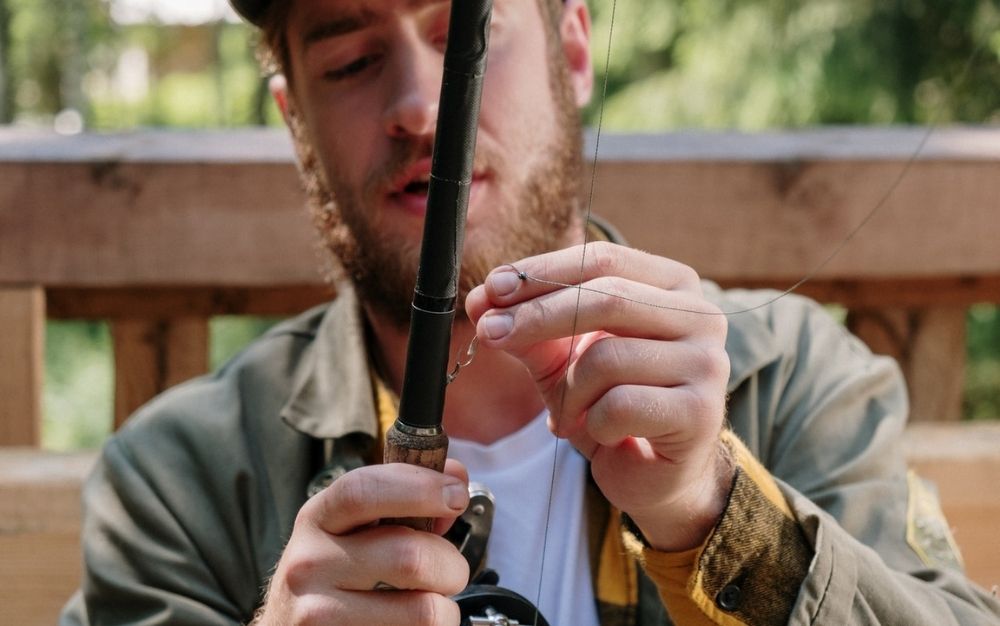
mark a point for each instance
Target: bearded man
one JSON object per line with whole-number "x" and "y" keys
{"x": 796, "y": 513}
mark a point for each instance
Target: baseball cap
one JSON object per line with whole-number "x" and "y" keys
{"x": 251, "y": 10}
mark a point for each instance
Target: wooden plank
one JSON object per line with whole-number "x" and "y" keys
{"x": 963, "y": 460}
{"x": 138, "y": 361}
{"x": 889, "y": 292}
{"x": 22, "y": 363}
{"x": 936, "y": 368}
{"x": 113, "y": 211}
{"x": 929, "y": 344}
{"x": 154, "y": 224}
{"x": 39, "y": 533}
{"x": 154, "y": 354}
{"x": 185, "y": 345}
{"x": 746, "y": 221}
{"x": 112, "y": 303}
{"x": 154, "y": 302}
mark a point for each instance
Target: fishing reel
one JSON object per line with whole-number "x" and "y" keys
{"x": 483, "y": 602}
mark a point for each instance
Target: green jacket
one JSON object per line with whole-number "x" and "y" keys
{"x": 188, "y": 509}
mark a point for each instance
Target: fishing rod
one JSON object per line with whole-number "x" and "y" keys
{"x": 417, "y": 437}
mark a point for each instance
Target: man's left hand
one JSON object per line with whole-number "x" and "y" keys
{"x": 640, "y": 390}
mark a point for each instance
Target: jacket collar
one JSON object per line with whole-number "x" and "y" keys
{"x": 332, "y": 393}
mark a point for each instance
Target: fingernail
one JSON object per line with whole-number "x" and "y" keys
{"x": 456, "y": 496}
{"x": 504, "y": 283}
{"x": 498, "y": 325}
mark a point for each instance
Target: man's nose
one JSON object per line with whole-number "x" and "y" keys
{"x": 413, "y": 103}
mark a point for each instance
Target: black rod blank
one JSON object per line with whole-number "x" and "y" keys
{"x": 421, "y": 403}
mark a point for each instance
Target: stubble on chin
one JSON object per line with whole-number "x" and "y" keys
{"x": 542, "y": 213}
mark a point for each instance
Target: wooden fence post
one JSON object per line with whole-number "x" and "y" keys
{"x": 22, "y": 365}
{"x": 929, "y": 344}
{"x": 152, "y": 355}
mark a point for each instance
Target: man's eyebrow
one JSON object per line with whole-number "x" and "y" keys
{"x": 349, "y": 23}
{"x": 335, "y": 27}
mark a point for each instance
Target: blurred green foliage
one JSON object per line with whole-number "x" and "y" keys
{"x": 755, "y": 64}
{"x": 79, "y": 375}
{"x": 79, "y": 385}
{"x": 982, "y": 376}
{"x": 707, "y": 64}
{"x": 230, "y": 333}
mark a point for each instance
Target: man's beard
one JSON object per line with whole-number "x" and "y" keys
{"x": 537, "y": 218}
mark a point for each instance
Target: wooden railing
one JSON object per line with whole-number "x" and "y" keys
{"x": 157, "y": 232}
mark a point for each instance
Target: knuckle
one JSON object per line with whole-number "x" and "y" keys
{"x": 304, "y": 518}
{"x": 718, "y": 324}
{"x": 710, "y": 363}
{"x": 616, "y": 405}
{"x": 431, "y": 609}
{"x": 411, "y": 560}
{"x": 311, "y": 609}
{"x": 604, "y": 259}
{"x": 352, "y": 492}
{"x": 460, "y": 572}
{"x": 611, "y": 303}
{"x": 530, "y": 313}
{"x": 687, "y": 275}
{"x": 717, "y": 363}
{"x": 601, "y": 356}
{"x": 705, "y": 412}
{"x": 300, "y": 568}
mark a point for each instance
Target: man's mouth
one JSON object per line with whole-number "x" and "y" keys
{"x": 411, "y": 188}
{"x": 420, "y": 186}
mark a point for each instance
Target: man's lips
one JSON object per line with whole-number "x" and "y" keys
{"x": 409, "y": 190}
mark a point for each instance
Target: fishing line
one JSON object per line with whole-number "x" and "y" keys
{"x": 581, "y": 289}
{"x": 579, "y": 295}
{"x": 875, "y": 210}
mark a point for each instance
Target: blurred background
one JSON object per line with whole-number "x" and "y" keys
{"x": 76, "y": 66}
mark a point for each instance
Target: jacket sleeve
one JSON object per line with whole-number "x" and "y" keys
{"x": 144, "y": 560}
{"x": 824, "y": 419}
{"x": 839, "y": 461}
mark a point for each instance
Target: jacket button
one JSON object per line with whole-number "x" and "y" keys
{"x": 729, "y": 598}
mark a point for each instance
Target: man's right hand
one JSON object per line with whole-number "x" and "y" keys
{"x": 340, "y": 567}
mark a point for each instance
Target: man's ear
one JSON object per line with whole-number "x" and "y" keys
{"x": 279, "y": 91}
{"x": 574, "y": 30}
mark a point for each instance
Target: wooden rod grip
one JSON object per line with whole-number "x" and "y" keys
{"x": 426, "y": 447}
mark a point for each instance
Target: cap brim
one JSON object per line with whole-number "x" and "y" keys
{"x": 251, "y": 10}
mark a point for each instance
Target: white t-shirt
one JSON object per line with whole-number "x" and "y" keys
{"x": 518, "y": 469}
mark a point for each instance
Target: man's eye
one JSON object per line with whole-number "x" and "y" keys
{"x": 351, "y": 69}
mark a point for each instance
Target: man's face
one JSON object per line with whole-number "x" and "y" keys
{"x": 365, "y": 80}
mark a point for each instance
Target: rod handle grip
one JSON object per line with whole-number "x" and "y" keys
{"x": 426, "y": 447}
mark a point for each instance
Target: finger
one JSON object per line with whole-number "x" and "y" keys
{"x": 368, "y": 494}
{"x": 610, "y": 361}
{"x": 537, "y": 275}
{"x": 613, "y": 305}
{"x": 674, "y": 419}
{"x": 392, "y": 608}
{"x": 455, "y": 468}
{"x": 399, "y": 558}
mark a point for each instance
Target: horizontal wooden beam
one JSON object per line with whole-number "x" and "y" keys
{"x": 39, "y": 533}
{"x": 963, "y": 460}
{"x": 225, "y": 208}
{"x": 167, "y": 302}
